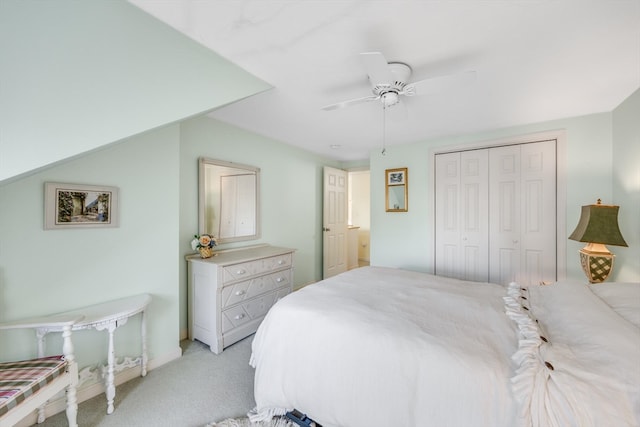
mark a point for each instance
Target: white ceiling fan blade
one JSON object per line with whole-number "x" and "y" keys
{"x": 350, "y": 102}
{"x": 438, "y": 84}
{"x": 377, "y": 68}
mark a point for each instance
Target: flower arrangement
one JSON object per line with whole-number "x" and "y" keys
{"x": 204, "y": 243}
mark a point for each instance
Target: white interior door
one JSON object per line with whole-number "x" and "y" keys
{"x": 523, "y": 213}
{"x": 538, "y": 222}
{"x": 334, "y": 222}
{"x": 505, "y": 214}
{"x": 237, "y": 205}
{"x": 447, "y": 212}
{"x": 228, "y": 190}
{"x": 474, "y": 216}
{"x": 462, "y": 215}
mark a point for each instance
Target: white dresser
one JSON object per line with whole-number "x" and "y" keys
{"x": 230, "y": 293}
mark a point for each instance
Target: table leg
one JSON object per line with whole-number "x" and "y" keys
{"x": 41, "y": 333}
{"x": 110, "y": 387}
{"x": 143, "y": 335}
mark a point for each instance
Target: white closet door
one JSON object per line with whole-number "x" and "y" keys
{"x": 522, "y": 222}
{"x": 474, "y": 215}
{"x": 246, "y": 205}
{"x": 462, "y": 215}
{"x": 538, "y": 229}
{"x": 504, "y": 223}
{"x": 237, "y": 205}
{"x": 447, "y": 213}
{"x": 228, "y": 190}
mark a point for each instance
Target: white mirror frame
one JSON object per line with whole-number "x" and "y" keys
{"x": 202, "y": 195}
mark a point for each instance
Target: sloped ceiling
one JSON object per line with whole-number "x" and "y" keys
{"x": 75, "y": 76}
{"x": 534, "y": 61}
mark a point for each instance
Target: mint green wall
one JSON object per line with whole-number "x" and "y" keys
{"x": 626, "y": 186}
{"x": 80, "y": 74}
{"x": 406, "y": 239}
{"x": 290, "y": 193}
{"x": 44, "y": 272}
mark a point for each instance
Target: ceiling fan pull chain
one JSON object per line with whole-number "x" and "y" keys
{"x": 384, "y": 128}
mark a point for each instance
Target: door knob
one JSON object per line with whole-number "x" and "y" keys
{"x": 326, "y": 229}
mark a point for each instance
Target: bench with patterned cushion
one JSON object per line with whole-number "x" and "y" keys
{"x": 21, "y": 379}
{"x": 27, "y": 385}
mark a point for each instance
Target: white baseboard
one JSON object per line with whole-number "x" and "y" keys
{"x": 92, "y": 390}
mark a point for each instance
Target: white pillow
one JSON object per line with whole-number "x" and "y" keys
{"x": 624, "y": 298}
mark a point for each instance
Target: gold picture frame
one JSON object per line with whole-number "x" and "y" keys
{"x": 397, "y": 190}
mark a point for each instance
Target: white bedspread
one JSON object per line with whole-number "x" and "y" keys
{"x": 386, "y": 347}
{"x": 392, "y": 348}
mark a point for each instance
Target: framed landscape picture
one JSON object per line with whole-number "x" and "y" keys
{"x": 79, "y": 206}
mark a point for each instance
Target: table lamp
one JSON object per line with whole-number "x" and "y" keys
{"x": 598, "y": 226}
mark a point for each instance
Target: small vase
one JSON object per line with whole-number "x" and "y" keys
{"x": 205, "y": 252}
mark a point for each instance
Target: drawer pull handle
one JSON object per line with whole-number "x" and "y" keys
{"x": 241, "y": 271}
{"x": 238, "y": 293}
{"x": 239, "y": 316}
{"x": 279, "y": 279}
{"x": 280, "y": 262}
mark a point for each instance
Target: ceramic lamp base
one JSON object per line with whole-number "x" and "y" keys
{"x": 596, "y": 265}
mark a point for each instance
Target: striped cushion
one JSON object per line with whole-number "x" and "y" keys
{"x": 19, "y": 380}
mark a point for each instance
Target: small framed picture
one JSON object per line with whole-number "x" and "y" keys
{"x": 397, "y": 190}
{"x": 396, "y": 176}
{"x": 79, "y": 206}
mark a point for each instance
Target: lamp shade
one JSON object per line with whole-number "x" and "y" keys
{"x": 599, "y": 224}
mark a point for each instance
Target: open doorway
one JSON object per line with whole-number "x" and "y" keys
{"x": 358, "y": 217}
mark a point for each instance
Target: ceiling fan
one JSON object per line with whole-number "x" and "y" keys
{"x": 390, "y": 81}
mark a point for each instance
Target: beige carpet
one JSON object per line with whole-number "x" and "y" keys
{"x": 191, "y": 391}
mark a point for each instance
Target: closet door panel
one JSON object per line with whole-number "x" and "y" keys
{"x": 539, "y": 212}
{"x": 474, "y": 215}
{"x": 504, "y": 221}
{"x": 461, "y": 215}
{"x": 504, "y": 266}
{"x": 447, "y": 213}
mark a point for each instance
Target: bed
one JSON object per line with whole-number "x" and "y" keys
{"x": 389, "y": 347}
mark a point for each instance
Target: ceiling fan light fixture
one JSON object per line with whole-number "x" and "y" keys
{"x": 390, "y": 98}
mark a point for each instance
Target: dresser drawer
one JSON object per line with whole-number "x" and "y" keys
{"x": 247, "y": 289}
{"x": 239, "y": 271}
{"x": 249, "y": 310}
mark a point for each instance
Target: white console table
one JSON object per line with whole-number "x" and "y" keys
{"x": 108, "y": 316}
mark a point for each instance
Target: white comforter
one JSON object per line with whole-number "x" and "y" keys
{"x": 387, "y": 347}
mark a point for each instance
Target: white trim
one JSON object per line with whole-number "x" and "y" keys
{"x": 85, "y": 393}
{"x": 560, "y": 136}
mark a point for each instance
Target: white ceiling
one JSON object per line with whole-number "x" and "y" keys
{"x": 534, "y": 61}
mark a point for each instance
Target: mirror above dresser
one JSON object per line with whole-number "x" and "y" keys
{"x": 228, "y": 200}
